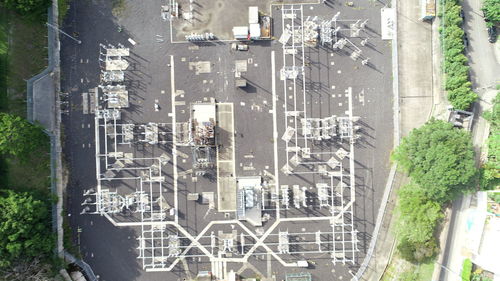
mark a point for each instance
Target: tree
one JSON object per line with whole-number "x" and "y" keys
{"x": 25, "y": 231}
{"x": 20, "y": 138}
{"x": 29, "y": 8}
{"x": 417, "y": 252}
{"x": 491, "y": 9}
{"x": 418, "y": 216}
{"x": 439, "y": 158}
{"x": 416, "y": 225}
{"x": 490, "y": 171}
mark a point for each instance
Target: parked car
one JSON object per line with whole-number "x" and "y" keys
{"x": 239, "y": 47}
{"x": 492, "y": 34}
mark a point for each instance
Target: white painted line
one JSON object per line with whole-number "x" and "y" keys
{"x": 275, "y": 132}
{"x": 174, "y": 147}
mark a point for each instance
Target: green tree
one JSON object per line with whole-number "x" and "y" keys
{"x": 20, "y": 138}
{"x": 491, "y": 9}
{"x": 490, "y": 172}
{"x": 417, "y": 252}
{"x": 34, "y": 9}
{"x": 416, "y": 225}
{"x": 25, "y": 230}
{"x": 439, "y": 158}
{"x": 418, "y": 216}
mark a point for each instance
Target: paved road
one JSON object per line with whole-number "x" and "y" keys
{"x": 484, "y": 64}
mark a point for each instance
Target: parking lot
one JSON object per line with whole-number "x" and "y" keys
{"x": 167, "y": 82}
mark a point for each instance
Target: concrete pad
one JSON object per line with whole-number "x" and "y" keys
{"x": 226, "y": 181}
{"x": 43, "y": 101}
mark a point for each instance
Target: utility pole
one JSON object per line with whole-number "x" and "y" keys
{"x": 60, "y": 31}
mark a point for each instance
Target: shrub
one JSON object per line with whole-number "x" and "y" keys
{"x": 466, "y": 270}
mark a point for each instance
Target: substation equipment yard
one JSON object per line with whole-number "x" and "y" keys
{"x": 211, "y": 204}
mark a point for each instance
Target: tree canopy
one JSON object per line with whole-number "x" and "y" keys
{"x": 457, "y": 83}
{"x": 439, "y": 158}
{"x": 491, "y": 169}
{"x": 20, "y": 138}
{"x": 418, "y": 215}
{"x": 491, "y": 9}
{"x": 24, "y": 228}
{"x": 28, "y": 8}
{"x": 416, "y": 224}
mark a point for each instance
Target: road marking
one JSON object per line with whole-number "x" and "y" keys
{"x": 174, "y": 147}
{"x": 275, "y": 131}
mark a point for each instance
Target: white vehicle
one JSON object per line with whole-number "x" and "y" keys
{"x": 239, "y": 47}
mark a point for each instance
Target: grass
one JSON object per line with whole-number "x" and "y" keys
{"x": 27, "y": 57}
{"x": 23, "y": 54}
{"x": 118, "y": 7}
{"x": 401, "y": 270}
{"x": 63, "y": 6}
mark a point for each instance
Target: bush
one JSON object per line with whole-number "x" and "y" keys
{"x": 418, "y": 216}
{"x": 466, "y": 270}
{"x": 25, "y": 231}
{"x": 20, "y": 138}
{"x": 491, "y": 9}
{"x": 490, "y": 171}
{"x": 417, "y": 252}
{"x": 455, "y": 66}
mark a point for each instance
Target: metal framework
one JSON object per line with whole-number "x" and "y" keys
{"x": 337, "y": 192}
{"x": 127, "y": 184}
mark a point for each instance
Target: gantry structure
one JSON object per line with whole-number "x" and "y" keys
{"x": 133, "y": 190}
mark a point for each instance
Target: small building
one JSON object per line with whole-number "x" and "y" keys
{"x": 253, "y": 15}
{"x": 255, "y": 31}
{"x": 240, "y": 32}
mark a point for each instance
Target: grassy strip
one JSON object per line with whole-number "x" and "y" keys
{"x": 402, "y": 270}
{"x": 455, "y": 66}
{"x": 27, "y": 57}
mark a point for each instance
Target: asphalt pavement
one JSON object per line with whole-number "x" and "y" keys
{"x": 485, "y": 67}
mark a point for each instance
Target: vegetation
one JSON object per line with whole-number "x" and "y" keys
{"x": 439, "y": 158}
{"x": 19, "y": 137}
{"x": 418, "y": 219}
{"x": 491, "y": 10}
{"x": 63, "y": 6}
{"x": 32, "y": 9}
{"x": 25, "y": 231}
{"x": 402, "y": 270}
{"x": 440, "y": 162}
{"x": 466, "y": 270}
{"x": 455, "y": 66}
{"x": 26, "y": 239}
{"x": 4, "y": 62}
{"x": 490, "y": 171}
